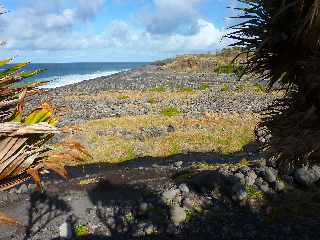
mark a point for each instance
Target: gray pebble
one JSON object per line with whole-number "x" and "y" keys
{"x": 178, "y": 215}
{"x": 184, "y": 188}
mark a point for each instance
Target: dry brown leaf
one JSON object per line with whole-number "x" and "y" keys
{"x": 57, "y": 168}
{"x": 76, "y": 146}
{"x": 34, "y": 173}
{"x": 4, "y": 219}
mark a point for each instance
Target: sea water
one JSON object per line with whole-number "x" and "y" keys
{"x": 61, "y": 74}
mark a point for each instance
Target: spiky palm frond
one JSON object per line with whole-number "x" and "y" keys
{"x": 281, "y": 39}
{"x": 23, "y": 150}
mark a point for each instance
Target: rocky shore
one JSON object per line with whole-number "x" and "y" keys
{"x": 187, "y": 195}
{"x": 89, "y": 100}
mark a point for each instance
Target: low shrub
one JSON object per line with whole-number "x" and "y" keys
{"x": 204, "y": 87}
{"x": 170, "y": 111}
{"x": 158, "y": 89}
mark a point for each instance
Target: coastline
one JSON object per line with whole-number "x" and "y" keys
{"x": 101, "y": 97}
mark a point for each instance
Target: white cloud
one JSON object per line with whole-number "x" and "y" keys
{"x": 88, "y": 8}
{"x": 178, "y": 16}
{"x": 57, "y": 28}
{"x": 120, "y": 34}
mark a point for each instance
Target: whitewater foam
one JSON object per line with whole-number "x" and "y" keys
{"x": 59, "y": 81}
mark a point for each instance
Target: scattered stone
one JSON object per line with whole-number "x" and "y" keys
{"x": 238, "y": 192}
{"x": 184, "y": 188}
{"x": 178, "y": 215}
{"x": 65, "y": 230}
{"x": 188, "y": 203}
{"x": 259, "y": 181}
{"x": 279, "y": 186}
{"x": 170, "y": 129}
{"x": 306, "y": 177}
{"x": 269, "y": 175}
{"x": 169, "y": 195}
{"x": 250, "y": 178}
{"x": 178, "y": 164}
{"x": 265, "y": 188}
{"x": 143, "y": 207}
{"x": 150, "y": 229}
{"x": 240, "y": 177}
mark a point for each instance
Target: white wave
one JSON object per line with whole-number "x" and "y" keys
{"x": 59, "y": 81}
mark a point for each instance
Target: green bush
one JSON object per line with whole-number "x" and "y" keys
{"x": 152, "y": 100}
{"x": 81, "y": 230}
{"x": 253, "y": 193}
{"x": 225, "y": 88}
{"x": 158, "y": 89}
{"x": 224, "y": 69}
{"x": 204, "y": 87}
{"x": 170, "y": 111}
{"x": 187, "y": 89}
{"x": 125, "y": 97}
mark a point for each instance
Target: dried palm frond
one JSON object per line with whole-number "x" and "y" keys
{"x": 23, "y": 150}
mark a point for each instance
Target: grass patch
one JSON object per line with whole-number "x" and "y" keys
{"x": 237, "y": 69}
{"x": 224, "y": 69}
{"x": 170, "y": 111}
{"x": 186, "y": 89}
{"x": 88, "y": 181}
{"x": 244, "y": 162}
{"x": 225, "y": 88}
{"x": 204, "y": 87}
{"x": 152, "y": 100}
{"x": 254, "y": 193}
{"x": 175, "y": 149}
{"x": 221, "y": 133}
{"x": 124, "y": 97}
{"x": 81, "y": 230}
{"x": 158, "y": 89}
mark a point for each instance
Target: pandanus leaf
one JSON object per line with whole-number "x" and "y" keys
{"x": 56, "y": 167}
{"x": 4, "y": 219}
{"x": 6, "y": 61}
{"x": 13, "y": 69}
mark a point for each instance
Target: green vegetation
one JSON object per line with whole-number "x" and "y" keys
{"x": 175, "y": 149}
{"x": 224, "y": 69}
{"x": 219, "y": 132}
{"x": 170, "y": 111}
{"x": 204, "y": 87}
{"x": 124, "y": 97}
{"x": 253, "y": 193}
{"x": 238, "y": 69}
{"x": 187, "y": 89}
{"x": 189, "y": 215}
{"x": 129, "y": 218}
{"x": 152, "y": 100}
{"x": 81, "y": 230}
{"x": 159, "y": 89}
{"x": 257, "y": 87}
{"x": 244, "y": 162}
{"x": 225, "y": 87}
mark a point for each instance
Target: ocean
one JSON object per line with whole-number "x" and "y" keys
{"x": 61, "y": 74}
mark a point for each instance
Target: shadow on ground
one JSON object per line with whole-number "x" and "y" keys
{"x": 118, "y": 196}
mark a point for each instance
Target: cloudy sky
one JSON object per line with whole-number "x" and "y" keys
{"x": 111, "y": 30}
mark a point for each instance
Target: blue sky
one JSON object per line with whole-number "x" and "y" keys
{"x": 112, "y": 30}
